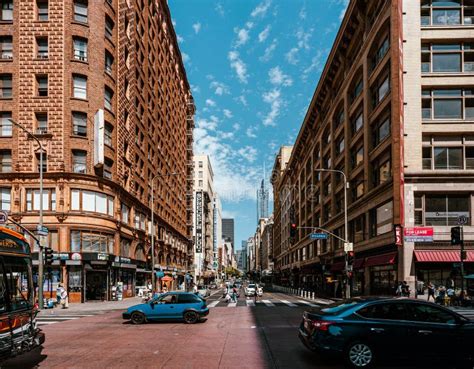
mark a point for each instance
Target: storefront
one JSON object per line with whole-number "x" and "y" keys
{"x": 382, "y": 270}
{"x": 123, "y": 274}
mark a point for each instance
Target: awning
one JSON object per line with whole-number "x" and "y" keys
{"x": 358, "y": 263}
{"x": 167, "y": 278}
{"x": 383, "y": 259}
{"x": 441, "y": 256}
{"x": 341, "y": 265}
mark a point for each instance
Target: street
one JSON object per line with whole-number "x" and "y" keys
{"x": 233, "y": 336}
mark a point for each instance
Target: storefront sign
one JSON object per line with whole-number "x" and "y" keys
{"x": 199, "y": 222}
{"x": 103, "y": 257}
{"x": 418, "y": 234}
{"x": 398, "y": 235}
{"x": 3, "y": 217}
{"x": 73, "y": 262}
{"x": 76, "y": 256}
{"x": 61, "y": 256}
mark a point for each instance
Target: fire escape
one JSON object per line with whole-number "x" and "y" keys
{"x": 191, "y": 108}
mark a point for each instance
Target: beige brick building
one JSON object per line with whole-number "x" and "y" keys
{"x": 103, "y": 86}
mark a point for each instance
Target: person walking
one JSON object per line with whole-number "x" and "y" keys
{"x": 58, "y": 294}
{"x": 64, "y": 297}
{"x": 431, "y": 292}
{"x": 234, "y": 294}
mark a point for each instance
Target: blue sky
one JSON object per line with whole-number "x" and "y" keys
{"x": 253, "y": 67}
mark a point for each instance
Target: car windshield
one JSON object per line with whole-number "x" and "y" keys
{"x": 251, "y": 286}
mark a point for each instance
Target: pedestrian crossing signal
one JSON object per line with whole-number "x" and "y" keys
{"x": 48, "y": 255}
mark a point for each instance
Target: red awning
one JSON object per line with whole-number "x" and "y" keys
{"x": 337, "y": 267}
{"x": 441, "y": 256}
{"x": 383, "y": 259}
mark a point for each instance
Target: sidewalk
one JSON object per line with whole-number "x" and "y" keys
{"x": 94, "y": 306}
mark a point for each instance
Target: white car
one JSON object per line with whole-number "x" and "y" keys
{"x": 203, "y": 291}
{"x": 250, "y": 289}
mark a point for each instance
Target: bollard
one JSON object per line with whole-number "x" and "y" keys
{"x": 312, "y": 295}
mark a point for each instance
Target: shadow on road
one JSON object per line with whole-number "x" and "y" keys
{"x": 26, "y": 361}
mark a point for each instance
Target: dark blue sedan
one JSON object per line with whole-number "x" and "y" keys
{"x": 169, "y": 306}
{"x": 366, "y": 330}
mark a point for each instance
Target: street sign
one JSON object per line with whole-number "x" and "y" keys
{"x": 418, "y": 234}
{"x": 462, "y": 219}
{"x": 348, "y": 246}
{"x": 3, "y": 217}
{"x": 41, "y": 230}
{"x": 318, "y": 236}
{"x": 398, "y": 235}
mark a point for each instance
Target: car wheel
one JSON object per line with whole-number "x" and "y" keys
{"x": 359, "y": 355}
{"x": 190, "y": 317}
{"x": 137, "y": 318}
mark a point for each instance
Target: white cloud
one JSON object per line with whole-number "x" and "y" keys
{"x": 243, "y": 100}
{"x": 239, "y": 66}
{"x": 261, "y": 9}
{"x": 250, "y": 132}
{"x": 180, "y": 39}
{"x": 249, "y": 153}
{"x": 277, "y": 77}
{"x": 197, "y": 27}
{"x": 226, "y": 135}
{"x": 269, "y": 51}
{"x": 242, "y": 36}
{"x": 304, "y": 37}
{"x": 195, "y": 89}
{"x": 207, "y": 124}
{"x": 302, "y": 14}
{"x": 344, "y": 3}
{"x": 291, "y": 56}
{"x": 185, "y": 57}
{"x": 210, "y": 102}
{"x": 273, "y": 98}
{"x": 227, "y": 113}
{"x": 316, "y": 64}
{"x": 236, "y": 126}
{"x": 262, "y": 36}
{"x": 220, "y": 9}
{"x": 219, "y": 88}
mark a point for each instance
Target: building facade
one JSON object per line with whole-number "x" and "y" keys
{"x": 228, "y": 230}
{"x": 391, "y": 110}
{"x": 103, "y": 87}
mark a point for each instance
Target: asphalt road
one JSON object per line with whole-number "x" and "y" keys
{"x": 234, "y": 336}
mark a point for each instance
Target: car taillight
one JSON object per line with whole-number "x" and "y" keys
{"x": 321, "y": 325}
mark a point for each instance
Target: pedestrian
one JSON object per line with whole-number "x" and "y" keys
{"x": 234, "y": 294}
{"x": 399, "y": 289}
{"x": 195, "y": 288}
{"x": 405, "y": 289}
{"x": 64, "y": 298}
{"x": 58, "y": 294}
{"x": 431, "y": 291}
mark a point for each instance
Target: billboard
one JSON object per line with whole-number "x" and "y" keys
{"x": 99, "y": 129}
{"x": 198, "y": 222}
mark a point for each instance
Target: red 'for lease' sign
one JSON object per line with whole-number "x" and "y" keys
{"x": 418, "y": 231}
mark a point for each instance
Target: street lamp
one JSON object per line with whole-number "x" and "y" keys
{"x": 40, "y": 254}
{"x": 153, "y": 281}
{"x": 346, "y": 185}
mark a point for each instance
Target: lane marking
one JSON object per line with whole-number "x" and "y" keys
{"x": 45, "y": 323}
{"x": 288, "y": 303}
{"x": 307, "y": 303}
{"x": 250, "y": 303}
{"x": 232, "y": 304}
{"x": 54, "y": 318}
{"x": 213, "y": 304}
{"x": 268, "y": 303}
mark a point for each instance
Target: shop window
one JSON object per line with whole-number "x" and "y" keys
{"x": 92, "y": 201}
{"x": 33, "y": 199}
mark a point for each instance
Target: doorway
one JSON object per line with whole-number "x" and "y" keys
{"x": 96, "y": 285}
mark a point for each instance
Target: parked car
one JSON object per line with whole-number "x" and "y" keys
{"x": 203, "y": 291}
{"x": 250, "y": 289}
{"x": 169, "y": 306}
{"x": 365, "y": 330}
{"x": 213, "y": 286}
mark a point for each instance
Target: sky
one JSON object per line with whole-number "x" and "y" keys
{"x": 253, "y": 66}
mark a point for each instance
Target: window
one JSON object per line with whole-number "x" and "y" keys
{"x": 387, "y": 311}
{"x": 79, "y": 161}
{"x": 80, "y": 87}
{"x": 79, "y": 124}
{"x": 5, "y": 124}
{"x": 200, "y": 164}
{"x": 33, "y": 199}
{"x": 80, "y": 11}
{"x": 381, "y": 219}
{"x": 5, "y": 161}
{"x": 339, "y": 118}
{"x": 380, "y": 131}
{"x": 42, "y": 50}
{"x": 380, "y": 91}
{"x": 358, "y": 190}
{"x": 5, "y": 198}
{"x": 42, "y": 8}
{"x": 5, "y": 86}
{"x": 340, "y": 146}
{"x": 80, "y": 48}
{"x": 429, "y": 314}
{"x": 140, "y": 220}
{"x": 380, "y": 53}
{"x": 357, "y": 89}
{"x": 109, "y": 62}
{"x": 382, "y": 172}
{"x": 42, "y": 85}
{"x": 200, "y": 183}
{"x": 87, "y": 241}
{"x": 125, "y": 247}
{"x": 108, "y": 97}
{"x": 358, "y": 229}
{"x": 109, "y": 27}
{"x": 6, "y": 47}
{"x": 200, "y": 174}
{"x": 447, "y": 58}
{"x": 446, "y": 13}
{"x": 108, "y": 164}
{"x": 357, "y": 156}
{"x": 448, "y": 104}
{"x": 444, "y": 210}
{"x": 357, "y": 123}
{"x": 125, "y": 213}
{"x": 7, "y": 10}
{"x": 45, "y": 162}
{"x": 92, "y": 201}
{"x": 448, "y": 153}
{"x": 17, "y": 272}
{"x": 169, "y": 299}
{"x": 108, "y": 132}
{"x": 188, "y": 299}
{"x": 41, "y": 123}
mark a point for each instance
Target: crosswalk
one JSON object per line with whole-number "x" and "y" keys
{"x": 260, "y": 303}
{"x": 47, "y": 318}
{"x": 468, "y": 313}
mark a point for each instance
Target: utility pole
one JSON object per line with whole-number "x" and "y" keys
{"x": 40, "y": 253}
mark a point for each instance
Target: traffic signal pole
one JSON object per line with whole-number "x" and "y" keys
{"x": 462, "y": 261}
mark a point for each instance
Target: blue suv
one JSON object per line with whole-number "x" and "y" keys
{"x": 170, "y": 306}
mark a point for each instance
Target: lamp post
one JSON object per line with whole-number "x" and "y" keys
{"x": 40, "y": 253}
{"x": 153, "y": 280}
{"x": 346, "y": 236}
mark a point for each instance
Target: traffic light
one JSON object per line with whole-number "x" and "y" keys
{"x": 293, "y": 230}
{"x": 48, "y": 255}
{"x": 350, "y": 257}
{"x": 456, "y": 238}
{"x": 148, "y": 260}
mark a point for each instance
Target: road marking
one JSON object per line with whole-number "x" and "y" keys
{"x": 213, "y": 304}
{"x": 232, "y": 304}
{"x": 288, "y": 303}
{"x": 45, "y": 323}
{"x": 307, "y": 303}
{"x": 43, "y": 318}
{"x": 250, "y": 303}
{"x": 268, "y": 303}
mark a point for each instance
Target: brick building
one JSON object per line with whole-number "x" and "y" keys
{"x": 103, "y": 86}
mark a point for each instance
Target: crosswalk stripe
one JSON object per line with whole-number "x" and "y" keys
{"x": 288, "y": 303}
{"x": 232, "y": 304}
{"x": 46, "y": 323}
{"x": 268, "y": 303}
{"x": 213, "y": 304}
{"x": 250, "y": 302}
{"x": 307, "y": 303}
{"x": 44, "y": 318}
